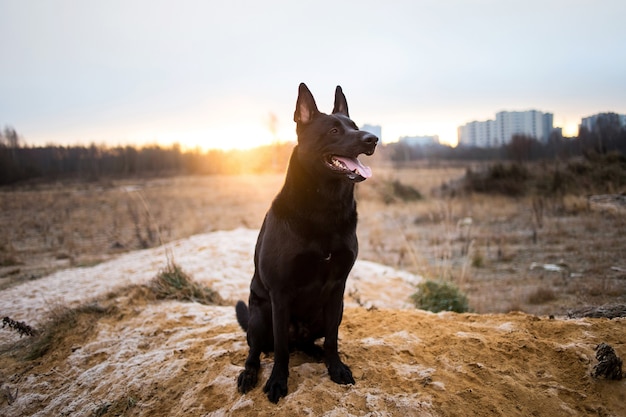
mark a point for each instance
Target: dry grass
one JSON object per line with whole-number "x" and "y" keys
{"x": 61, "y": 225}
{"x": 64, "y": 323}
{"x": 490, "y": 257}
{"x": 172, "y": 283}
{"x": 541, "y": 295}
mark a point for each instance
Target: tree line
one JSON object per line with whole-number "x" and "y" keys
{"x": 20, "y": 163}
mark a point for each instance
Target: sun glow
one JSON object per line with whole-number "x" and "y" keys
{"x": 570, "y": 129}
{"x": 226, "y": 138}
{"x": 219, "y": 137}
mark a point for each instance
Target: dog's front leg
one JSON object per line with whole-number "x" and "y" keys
{"x": 276, "y": 385}
{"x": 338, "y": 371}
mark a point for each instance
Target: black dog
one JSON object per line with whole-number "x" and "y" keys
{"x": 306, "y": 247}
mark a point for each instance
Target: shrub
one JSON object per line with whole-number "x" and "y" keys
{"x": 478, "y": 261}
{"x": 541, "y": 295}
{"x": 510, "y": 180}
{"x": 405, "y": 192}
{"x": 597, "y": 173}
{"x": 394, "y": 191}
{"x": 439, "y": 296}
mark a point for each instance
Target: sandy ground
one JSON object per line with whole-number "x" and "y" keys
{"x": 170, "y": 358}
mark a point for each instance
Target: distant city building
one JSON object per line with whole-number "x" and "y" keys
{"x": 420, "y": 140}
{"x": 493, "y": 133}
{"x": 590, "y": 122}
{"x": 479, "y": 134}
{"x": 375, "y": 130}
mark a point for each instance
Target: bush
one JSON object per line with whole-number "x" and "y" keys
{"x": 405, "y": 192}
{"x": 394, "y": 191}
{"x": 511, "y": 180}
{"x": 595, "y": 174}
{"x": 541, "y": 295}
{"x": 439, "y": 296}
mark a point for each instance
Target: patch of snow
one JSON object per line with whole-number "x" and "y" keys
{"x": 546, "y": 267}
{"x": 222, "y": 260}
{"x": 242, "y": 402}
{"x": 404, "y": 404}
{"x": 372, "y": 341}
{"x": 414, "y": 371}
{"x": 308, "y": 369}
{"x": 399, "y": 340}
{"x": 380, "y": 286}
{"x": 125, "y": 352}
{"x": 467, "y": 335}
{"x": 439, "y": 385}
{"x": 506, "y": 327}
{"x": 404, "y": 337}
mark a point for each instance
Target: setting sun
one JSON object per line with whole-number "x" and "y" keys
{"x": 569, "y": 125}
{"x": 225, "y": 138}
{"x": 219, "y": 137}
{"x": 570, "y": 129}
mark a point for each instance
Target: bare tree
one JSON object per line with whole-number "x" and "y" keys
{"x": 11, "y": 137}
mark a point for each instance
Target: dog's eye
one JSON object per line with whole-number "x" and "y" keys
{"x": 334, "y": 131}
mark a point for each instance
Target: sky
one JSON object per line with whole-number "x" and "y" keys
{"x": 214, "y": 74}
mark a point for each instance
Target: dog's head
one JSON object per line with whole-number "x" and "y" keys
{"x": 329, "y": 144}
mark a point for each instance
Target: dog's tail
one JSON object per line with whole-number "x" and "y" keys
{"x": 242, "y": 315}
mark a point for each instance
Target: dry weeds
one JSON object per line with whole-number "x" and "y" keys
{"x": 483, "y": 244}
{"x": 172, "y": 283}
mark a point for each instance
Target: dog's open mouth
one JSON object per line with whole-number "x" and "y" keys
{"x": 352, "y": 167}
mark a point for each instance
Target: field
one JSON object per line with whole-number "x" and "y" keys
{"x": 541, "y": 256}
{"x": 95, "y": 324}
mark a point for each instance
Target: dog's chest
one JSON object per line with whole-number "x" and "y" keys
{"x": 329, "y": 267}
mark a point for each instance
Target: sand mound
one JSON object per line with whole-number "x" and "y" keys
{"x": 144, "y": 357}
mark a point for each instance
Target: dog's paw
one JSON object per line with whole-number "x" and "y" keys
{"x": 341, "y": 374}
{"x": 275, "y": 388}
{"x": 246, "y": 381}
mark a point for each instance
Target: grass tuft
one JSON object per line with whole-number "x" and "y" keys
{"x": 541, "y": 295}
{"x": 66, "y": 322}
{"x": 437, "y": 296}
{"x": 172, "y": 283}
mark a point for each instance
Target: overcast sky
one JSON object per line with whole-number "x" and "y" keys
{"x": 210, "y": 73}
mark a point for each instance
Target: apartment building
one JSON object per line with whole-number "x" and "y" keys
{"x": 591, "y": 122}
{"x": 493, "y": 133}
{"x": 420, "y": 140}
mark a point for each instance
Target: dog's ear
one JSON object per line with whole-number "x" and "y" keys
{"x": 341, "y": 105}
{"x": 306, "y": 108}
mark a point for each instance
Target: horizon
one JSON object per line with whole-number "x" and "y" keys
{"x": 268, "y": 139}
{"x": 226, "y": 77}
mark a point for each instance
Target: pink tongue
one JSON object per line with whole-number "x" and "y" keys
{"x": 355, "y": 164}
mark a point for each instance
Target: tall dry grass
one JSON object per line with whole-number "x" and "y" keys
{"x": 79, "y": 224}
{"x": 484, "y": 244}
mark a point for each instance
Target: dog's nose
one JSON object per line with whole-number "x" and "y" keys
{"x": 370, "y": 139}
